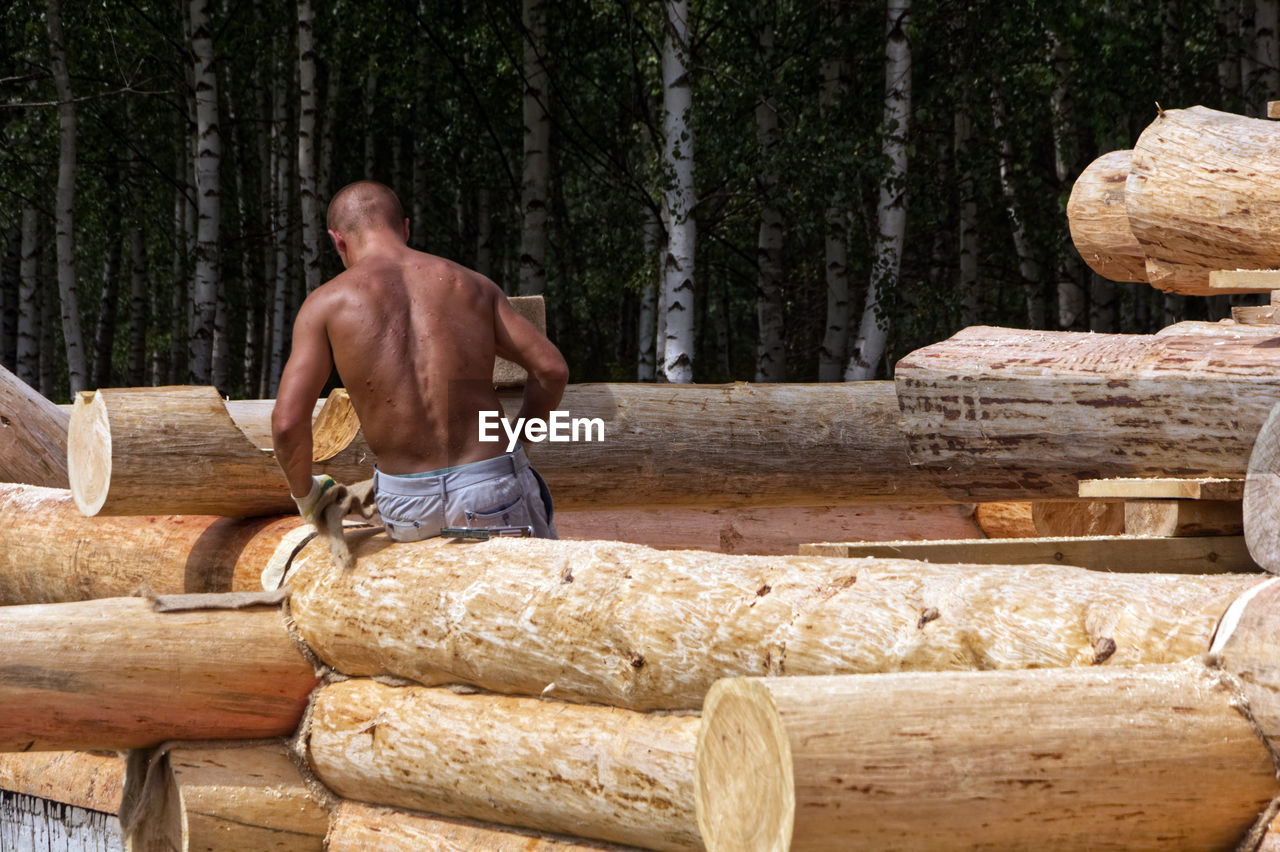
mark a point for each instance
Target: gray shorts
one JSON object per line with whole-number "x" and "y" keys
{"x": 498, "y": 492}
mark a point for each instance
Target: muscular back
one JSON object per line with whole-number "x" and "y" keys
{"x": 413, "y": 339}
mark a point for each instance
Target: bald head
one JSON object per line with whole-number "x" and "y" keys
{"x": 362, "y": 205}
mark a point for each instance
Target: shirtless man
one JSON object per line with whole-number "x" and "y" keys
{"x": 414, "y": 337}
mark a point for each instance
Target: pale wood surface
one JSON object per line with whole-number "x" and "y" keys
{"x": 1243, "y": 281}
{"x": 532, "y": 308}
{"x": 232, "y": 799}
{"x": 765, "y": 530}
{"x": 1099, "y": 223}
{"x": 1077, "y": 518}
{"x": 634, "y": 627}
{"x": 590, "y": 771}
{"x": 33, "y": 440}
{"x": 1002, "y": 520}
{"x": 1202, "y": 195}
{"x": 1143, "y": 757}
{"x": 1005, "y": 413}
{"x": 356, "y": 827}
{"x": 1123, "y": 553}
{"x": 1183, "y": 517}
{"x": 1261, "y": 505}
{"x": 1158, "y": 488}
{"x": 91, "y": 780}
{"x": 50, "y": 552}
{"x": 1256, "y": 314}
{"x": 1245, "y": 647}
{"x": 113, "y": 674}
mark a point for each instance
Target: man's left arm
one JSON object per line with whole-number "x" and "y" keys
{"x": 305, "y": 373}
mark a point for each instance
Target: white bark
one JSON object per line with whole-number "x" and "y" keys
{"x": 891, "y": 213}
{"x": 771, "y": 354}
{"x": 77, "y": 368}
{"x": 28, "y": 292}
{"x": 312, "y": 227}
{"x": 208, "y": 156}
{"x": 835, "y": 340}
{"x": 1071, "y": 292}
{"x": 646, "y": 326}
{"x": 280, "y": 193}
{"x": 1027, "y": 265}
{"x": 679, "y": 196}
{"x": 537, "y": 139}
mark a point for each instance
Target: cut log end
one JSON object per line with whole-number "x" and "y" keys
{"x": 744, "y": 787}
{"x": 89, "y": 453}
{"x": 1262, "y": 496}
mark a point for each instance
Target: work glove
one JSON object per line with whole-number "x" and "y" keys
{"x": 307, "y": 505}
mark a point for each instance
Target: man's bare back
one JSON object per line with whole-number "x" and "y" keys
{"x": 413, "y": 337}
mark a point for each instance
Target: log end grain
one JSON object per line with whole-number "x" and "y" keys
{"x": 89, "y": 453}
{"x": 743, "y": 781}
{"x": 1262, "y": 496}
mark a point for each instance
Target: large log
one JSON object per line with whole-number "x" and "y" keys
{"x": 356, "y": 827}
{"x": 1144, "y": 757}
{"x": 1202, "y": 196}
{"x": 229, "y": 799}
{"x": 1099, "y": 222}
{"x": 84, "y": 779}
{"x": 596, "y": 772}
{"x": 115, "y": 674}
{"x": 645, "y": 629}
{"x": 1005, "y": 413}
{"x": 33, "y": 435}
{"x": 50, "y": 552}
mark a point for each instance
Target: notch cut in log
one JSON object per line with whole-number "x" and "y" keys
{"x": 113, "y": 674}
{"x": 33, "y": 435}
{"x": 1147, "y": 757}
{"x": 1003, "y": 412}
{"x": 1099, "y": 222}
{"x": 597, "y": 772}
{"x": 613, "y": 623}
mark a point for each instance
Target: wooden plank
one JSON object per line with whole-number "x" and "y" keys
{"x": 1153, "y": 488}
{"x": 1118, "y": 553}
{"x": 1245, "y": 280}
{"x": 1184, "y": 518}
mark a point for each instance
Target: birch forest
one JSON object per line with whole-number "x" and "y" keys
{"x": 703, "y": 191}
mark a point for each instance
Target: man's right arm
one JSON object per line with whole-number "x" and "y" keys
{"x": 518, "y": 340}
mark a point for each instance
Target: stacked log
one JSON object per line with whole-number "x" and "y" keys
{"x": 33, "y": 435}
{"x": 1099, "y": 221}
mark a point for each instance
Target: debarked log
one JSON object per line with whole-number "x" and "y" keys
{"x": 1143, "y": 757}
{"x": 1004, "y": 413}
{"x": 356, "y": 827}
{"x": 90, "y": 780}
{"x": 50, "y": 552}
{"x": 597, "y": 772}
{"x": 115, "y": 674}
{"x": 1202, "y": 195}
{"x": 1099, "y": 222}
{"x": 633, "y": 627}
{"x": 33, "y": 435}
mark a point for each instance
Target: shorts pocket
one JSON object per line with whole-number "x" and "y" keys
{"x": 502, "y": 505}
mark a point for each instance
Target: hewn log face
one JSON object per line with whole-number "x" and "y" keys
{"x": 1203, "y": 195}
{"x": 232, "y": 799}
{"x": 1143, "y": 757}
{"x": 50, "y": 552}
{"x": 33, "y": 440}
{"x": 644, "y": 629}
{"x": 114, "y": 674}
{"x": 355, "y": 827}
{"x": 1099, "y": 222}
{"x": 597, "y": 772}
{"x": 1008, "y": 413}
{"x": 84, "y": 779}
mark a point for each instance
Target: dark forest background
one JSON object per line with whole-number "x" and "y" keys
{"x": 1008, "y": 102}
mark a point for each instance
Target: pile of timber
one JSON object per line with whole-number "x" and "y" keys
{"x": 1197, "y": 194}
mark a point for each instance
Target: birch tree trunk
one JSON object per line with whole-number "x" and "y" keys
{"x": 1229, "y": 62}
{"x": 1072, "y": 310}
{"x": 280, "y": 206}
{"x": 835, "y": 339}
{"x": 28, "y": 293}
{"x": 970, "y": 300}
{"x": 139, "y": 305}
{"x": 537, "y": 140}
{"x": 176, "y": 368}
{"x": 891, "y": 214}
{"x": 1027, "y": 265}
{"x": 1266, "y": 56}
{"x": 104, "y": 336}
{"x": 68, "y": 293}
{"x": 312, "y": 227}
{"x": 771, "y": 354}
{"x": 208, "y": 156}
{"x": 679, "y": 194}
{"x": 646, "y": 326}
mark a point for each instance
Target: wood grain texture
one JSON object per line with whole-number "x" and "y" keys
{"x": 1164, "y": 488}
{"x": 1261, "y": 506}
{"x": 1099, "y": 222}
{"x": 113, "y": 674}
{"x": 1202, "y": 196}
{"x": 1077, "y": 517}
{"x": 1003, "y": 520}
{"x": 1183, "y": 517}
{"x": 50, "y": 552}
{"x": 33, "y": 435}
{"x": 596, "y": 772}
{"x": 645, "y": 629}
{"x": 356, "y": 827}
{"x": 1122, "y": 553}
{"x": 1004, "y": 413}
{"x": 1144, "y": 757}
{"x": 231, "y": 799}
{"x": 91, "y": 780}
